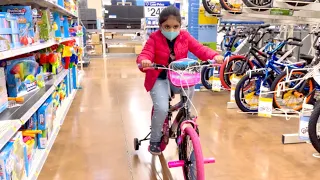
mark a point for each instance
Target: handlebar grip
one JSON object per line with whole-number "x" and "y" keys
{"x": 294, "y": 43}
{"x": 296, "y": 39}
{"x": 264, "y": 26}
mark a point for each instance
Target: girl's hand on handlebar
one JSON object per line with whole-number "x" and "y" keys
{"x": 219, "y": 59}
{"x": 146, "y": 63}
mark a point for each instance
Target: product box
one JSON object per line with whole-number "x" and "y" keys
{"x": 3, "y": 91}
{"x": 21, "y": 75}
{"x": 12, "y": 161}
{"x": 25, "y": 20}
{"x": 6, "y": 161}
{"x": 137, "y": 49}
{"x": 74, "y": 77}
{"x": 66, "y": 82}
{"x": 9, "y": 32}
{"x": 45, "y": 122}
{"x": 95, "y": 38}
{"x": 121, "y": 49}
{"x": 98, "y": 49}
{"x": 70, "y": 81}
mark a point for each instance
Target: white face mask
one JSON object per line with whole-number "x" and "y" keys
{"x": 170, "y": 35}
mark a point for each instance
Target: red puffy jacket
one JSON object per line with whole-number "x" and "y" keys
{"x": 157, "y": 50}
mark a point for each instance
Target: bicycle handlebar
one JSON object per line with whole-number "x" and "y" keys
{"x": 263, "y": 26}
{"x": 159, "y": 66}
{"x": 294, "y": 39}
{"x": 294, "y": 43}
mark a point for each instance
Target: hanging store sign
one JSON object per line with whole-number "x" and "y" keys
{"x": 154, "y": 8}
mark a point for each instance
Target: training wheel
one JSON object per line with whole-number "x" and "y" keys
{"x": 136, "y": 144}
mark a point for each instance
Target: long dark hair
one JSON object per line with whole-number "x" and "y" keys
{"x": 169, "y": 11}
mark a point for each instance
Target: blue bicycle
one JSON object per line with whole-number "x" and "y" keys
{"x": 231, "y": 41}
{"x": 248, "y": 88}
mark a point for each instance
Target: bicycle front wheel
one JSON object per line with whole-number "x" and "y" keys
{"x": 313, "y": 128}
{"x": 191, "y": 153}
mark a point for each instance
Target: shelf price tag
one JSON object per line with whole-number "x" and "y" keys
{"x": 265, "y": 103}
{"x": 216, "y": 83}
{"x": 153, "y": 8}
{"x": 234, "y": 81}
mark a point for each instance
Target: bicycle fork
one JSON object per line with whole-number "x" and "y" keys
{"x": 181, "y": 163}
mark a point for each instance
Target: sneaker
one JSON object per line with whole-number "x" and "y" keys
{"x": 154, "y": 148}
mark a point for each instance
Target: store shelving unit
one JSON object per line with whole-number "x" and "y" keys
{"x": 123, "y": 41}
{"x": 12, "y": 119}
{"x": 90, "y": 47}
{"x": 42, "y": 154}
{"x": 42, "y": 4}
{"x": 32, "y": 48}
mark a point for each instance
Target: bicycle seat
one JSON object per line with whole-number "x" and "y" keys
{"x": 281, "y": 53}
{"x": 307, "y": 58}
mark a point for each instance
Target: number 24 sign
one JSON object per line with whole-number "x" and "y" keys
{"x": 153, "y": 11}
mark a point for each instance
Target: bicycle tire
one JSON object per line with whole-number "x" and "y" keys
{"x": 225, "y": 6}
{"x": 225, "y": 78}
{"x": 197, "y": 151}
{"x": 312, "y": 127}
{"x": 281, "y": 77}
{"x": 300, "y": 4}
{"x": 248, "y": 3}
{"x": 238, "y": 90}
{"x": 207, "y": 8}
{"x": 205, "y": 77}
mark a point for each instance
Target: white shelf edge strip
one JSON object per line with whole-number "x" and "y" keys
{"x": 42, "y": 154}
{"x": 7, "y": 130}
{"x": 26, "y": 49}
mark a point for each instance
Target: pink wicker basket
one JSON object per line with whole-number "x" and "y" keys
{"x": 184, "y": 73}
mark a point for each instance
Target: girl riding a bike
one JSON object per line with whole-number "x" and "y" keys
{"x": 164, "y": 46}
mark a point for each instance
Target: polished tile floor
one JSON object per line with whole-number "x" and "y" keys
{"x": 96, "y": 140}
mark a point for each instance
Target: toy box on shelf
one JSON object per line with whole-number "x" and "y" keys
{"x": 25, "y": 22}
{"x": 22, "y": 75}
{"x": 3, "y": 91}
{"x": 29, "y": 133}
{"x": 12, "y": 164}
{"x": 44, "y": 25}
{"x": 45, "y": 122}
{"x": 9, "y": 32}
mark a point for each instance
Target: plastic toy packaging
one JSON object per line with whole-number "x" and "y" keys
{"x": 29, "y": 134}
{"x": 44, "y": 26}
{"x": 12, "y": 164}
{"x": 3, "y": 91}
{"x": 22, "y": 75}
{"x": 45, "y": 122}
{"x": 25, "y": 23}
{"x": 9, "y": 32}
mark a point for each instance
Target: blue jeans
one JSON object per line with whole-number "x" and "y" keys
{"x": 160, "y": 97}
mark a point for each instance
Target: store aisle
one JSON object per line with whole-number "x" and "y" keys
{"x": 96, "y": 140}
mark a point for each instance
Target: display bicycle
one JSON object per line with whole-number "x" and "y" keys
{"x": 183, "y": 73}
{"x": 292, "y": 94}
{"x": 230, "y": 40}
{"x": 237, "y": 65}
{"x": 263, "y": 77}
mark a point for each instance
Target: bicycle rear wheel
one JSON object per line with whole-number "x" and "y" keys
{"x": 190, "y": 151}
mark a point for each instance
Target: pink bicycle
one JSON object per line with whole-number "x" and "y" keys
{"x": 183, "y": 73}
